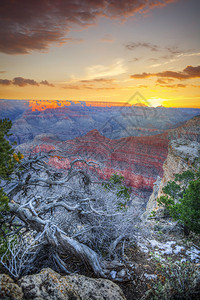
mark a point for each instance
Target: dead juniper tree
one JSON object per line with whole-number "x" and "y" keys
{"x": 67, "y": 220}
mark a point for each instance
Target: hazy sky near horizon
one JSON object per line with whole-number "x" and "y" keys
{"x": 99, "y": 50}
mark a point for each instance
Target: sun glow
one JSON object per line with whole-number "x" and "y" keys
{"x": 154, "y": 101}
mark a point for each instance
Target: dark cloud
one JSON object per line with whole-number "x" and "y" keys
{"x": 142, "y": 75}
{"x": 188, "y": 73}
{"x": 45, "y": 82}
{"x": 93, "y": 84}
{"x": 165, "y": 81}
{"x": 35, "y": 24}
{"x": 136, "y": 58}
{"x": 98, "y": 80}
{"x": 5, "y": 82}
{"x": 133, "y": 46}
{"x": 21, "y": 82}
{"x": 179, "y": 85}
{"x": 89, "y": 87}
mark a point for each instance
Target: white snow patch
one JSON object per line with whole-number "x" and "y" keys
{"x": 113, "y": 274}
{"x": 178, "y": 249}
{"x": 150, "y": 276}
{"x": 165, "y": 247}
{"x": 194, "y": 254}
{"x": 143, "y": 248}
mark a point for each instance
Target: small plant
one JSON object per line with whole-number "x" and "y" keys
{"x": 153, "y": 213}
{"x": 116, "y": 181}
{"x": 175, "y": 280}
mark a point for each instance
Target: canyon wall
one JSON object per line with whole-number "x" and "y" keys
{"x": 183, "y": 155}
{"x": 138, "y": 159}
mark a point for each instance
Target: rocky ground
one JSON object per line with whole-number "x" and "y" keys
{"x": 165, "y": 246}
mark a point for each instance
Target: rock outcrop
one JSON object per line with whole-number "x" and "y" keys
{"x": 190, "y": 130}
{"x": 49, "y": 285}
{"x": 182, "y": 155}
{"x": 152, "y": 203}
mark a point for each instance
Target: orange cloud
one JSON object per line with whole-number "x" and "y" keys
{"x": 98, "y": 80}
{"x": 174, "y": 85}
{"x": 164, "y": 81}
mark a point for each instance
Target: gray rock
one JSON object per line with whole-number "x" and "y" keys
{"x": 8, "y": 289}
{"x": 50, "y": 285}
{"x": 188, "y": 150}
{"x": 152, "y": 203}
{"x": 47, "y": 285}
{"x": 95, "y": 289}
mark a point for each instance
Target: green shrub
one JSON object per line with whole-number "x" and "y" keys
{"x": 8, "y": 160}
{"x": 182, "y": 201}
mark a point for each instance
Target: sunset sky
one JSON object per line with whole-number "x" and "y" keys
{"x": 100, "y": 50}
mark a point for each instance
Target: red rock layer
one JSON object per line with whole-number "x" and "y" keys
{"x": 138, "y": 159}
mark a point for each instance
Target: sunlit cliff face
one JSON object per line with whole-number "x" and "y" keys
{"x": 41, "y": 105}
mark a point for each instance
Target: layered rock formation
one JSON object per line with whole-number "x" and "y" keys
{"x": 49, "y": 285}
{"x": 190, "y": 130}
{"x": 138, "y": 159}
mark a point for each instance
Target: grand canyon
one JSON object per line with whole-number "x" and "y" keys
{"x": 99, "y": 149}
{"x": 131, "y": 140}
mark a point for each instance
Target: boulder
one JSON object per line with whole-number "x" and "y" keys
{"x": 50, "y": 285}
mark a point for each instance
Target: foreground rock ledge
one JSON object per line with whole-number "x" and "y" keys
{"x": 49, "y": 285}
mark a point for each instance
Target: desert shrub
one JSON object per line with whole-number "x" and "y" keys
{"x": 175, "y": 280}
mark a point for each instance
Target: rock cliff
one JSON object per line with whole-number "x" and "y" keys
{"x": 182, "y": 155}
